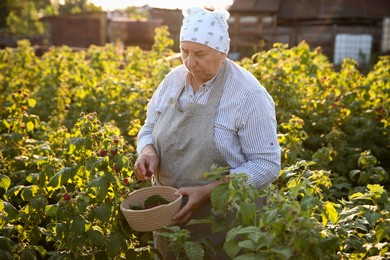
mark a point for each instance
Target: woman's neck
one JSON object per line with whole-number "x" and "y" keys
{"x": 195, "y": 83}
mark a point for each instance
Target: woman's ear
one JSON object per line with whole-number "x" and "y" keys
{"x": 223, "y": 57}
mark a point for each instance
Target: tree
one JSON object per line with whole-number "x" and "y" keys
{"x": 77, "y": 6}
{"x": 22, "y": 18}
{"x": 24, "y": 21}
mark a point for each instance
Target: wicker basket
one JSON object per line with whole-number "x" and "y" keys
{"x": 154, "y": 218}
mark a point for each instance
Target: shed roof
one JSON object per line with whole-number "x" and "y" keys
{"x": 255, "y": 6}
{"x": 314, "y": 9}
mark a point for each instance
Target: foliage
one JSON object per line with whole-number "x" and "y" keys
{"x": 25, "y": 23}
{"x": 136, "y": 13}
{"x": 68, "y": 130}
{"x": 22, "y": 18}
{"x": 76, "y": 6}
{"x": 335, "y": 115}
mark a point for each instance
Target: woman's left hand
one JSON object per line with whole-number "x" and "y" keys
{"x": 197, "y": 196}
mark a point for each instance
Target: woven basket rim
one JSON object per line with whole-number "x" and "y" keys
{"x": 142, "y": 220}
{"x": 128, "y": 210}
{"x": 154, "y": 208}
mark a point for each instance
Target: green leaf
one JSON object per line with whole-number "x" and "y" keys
{"x": 220, "y": 196}
{"x": 100, "y": 186}
{"x": 103, "y": 212}
{"x": 116, "y": 241}
{"x": 354, "y": 242}
{"x": 82, "y": 202}
{"x": 51, "y": 210}
{"x": 11, "y": 211}
{"x": 34, "y": 235}
{"x": 80, "y": 143}
{"x": 33, "y": 178}
{"x": 269, "y": 217}
{"x": 382, "y": 231}
{"x": 309, "y": 202}
{"x": 295, "y": 187}
{"x": 286, "y": 252}
{"x": 72, "y": 148}
{"x": 248, "y": 212}
{"x": 232, "y": 234}
{"x": 231, "y": 248}
{"x": 372, "y": 217}
{"x": 30, "y": 126}
{"x": 6, "y": 254}
{"x": 6, "y": 244}
{"x": 78, "y": 225}
{"x": 331, "y": 212}
{"x": 41, "y": 250}
{"x": 350, "y": 214}
{"x": 78, "y": 242}
{"x": 26, "y": 194}
{"x": 38, "y": 202}
{"x": 5, "y": 182}
{"x": 248, "y": 230}
{"x": 62, "y": 177}
{"x": 194, "y": 251}
{"x": 248, "y": 244}
{"x": 375, "y": 188}
{"x": 199, "y": 221}
{"x": 28, "y": 254}
{"x": 96, "y": 237}
{"x": 249, "y": 256}
{"x": 32, "y": 102}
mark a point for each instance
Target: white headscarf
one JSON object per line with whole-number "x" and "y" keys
{"x": 205, "y": 27}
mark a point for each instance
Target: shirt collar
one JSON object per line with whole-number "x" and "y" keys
{"x": 203, "y": 87}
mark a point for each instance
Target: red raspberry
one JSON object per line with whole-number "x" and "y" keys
{"x": 67, "y": 197}
{"x": 114, "y": 152}
{"x": 102, "y": 153}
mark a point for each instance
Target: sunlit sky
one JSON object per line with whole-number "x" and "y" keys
{"x": 108, "y": 5}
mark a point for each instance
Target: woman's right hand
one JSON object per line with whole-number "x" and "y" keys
{"x": 146, "y": 163}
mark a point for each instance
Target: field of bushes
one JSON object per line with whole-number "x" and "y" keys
{"x": 68, "y": 130}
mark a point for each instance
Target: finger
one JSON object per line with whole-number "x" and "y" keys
{"x": 183, "y": 215}
{"x": 140, "y": 170}
{"x": 182, "y": 191}
{"x": 186, "y": 210}
{"x": 153, "y": 165}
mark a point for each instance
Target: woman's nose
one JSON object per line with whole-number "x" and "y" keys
{"x": 191, "y": 61}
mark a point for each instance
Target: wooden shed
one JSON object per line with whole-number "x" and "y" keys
{"x": 77, "y": 30}
{"x": 342, "y": 28}
{"x": 133, "y": 32}
{"x": 172, "y": 18}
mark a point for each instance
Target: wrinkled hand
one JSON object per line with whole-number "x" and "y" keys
{"x": 147, "y": 163}
{"x": 197, "y": 196}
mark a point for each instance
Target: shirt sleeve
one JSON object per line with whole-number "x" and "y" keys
{"x": 145, "y": 134}
{"x": 258, "y": 139}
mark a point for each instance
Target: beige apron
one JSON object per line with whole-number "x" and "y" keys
{"x": 184, "y": 140}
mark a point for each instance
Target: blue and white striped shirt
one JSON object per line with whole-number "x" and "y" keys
{"x": 244, "y": 126}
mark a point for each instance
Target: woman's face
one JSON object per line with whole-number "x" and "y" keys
{"x": 202, "y": 61}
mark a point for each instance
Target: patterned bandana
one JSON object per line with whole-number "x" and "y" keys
{"x": 205, "y": 27}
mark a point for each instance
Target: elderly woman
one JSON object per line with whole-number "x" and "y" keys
{"x": 207, "y": 111}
